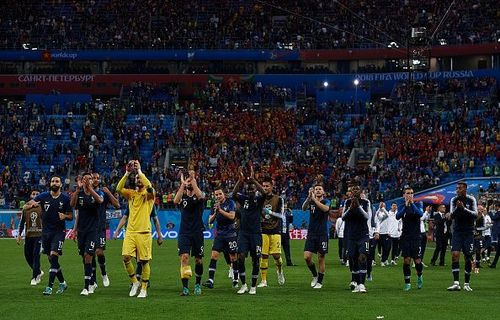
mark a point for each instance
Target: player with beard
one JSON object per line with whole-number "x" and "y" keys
{"x": 56, "y": 210}
{"x": 191, "y": 201}
{"x": 317, "y": 233}
{"x": 138, "y": 239}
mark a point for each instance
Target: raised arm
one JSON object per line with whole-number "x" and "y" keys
{"x": 180, "y": 192}
{"x": 147, "y": 184}
{"x": 112, "y": 199}
{"x": 74, "y": 196}
{"x": 120, "y": 187}
{"x": 306, "y": 203}
{"x": 254, "y": 181}
{"x": 239, "y": 183}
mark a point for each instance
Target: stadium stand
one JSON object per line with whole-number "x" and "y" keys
{"x": 154, "y": 24}
{"x": 224, "y": 128}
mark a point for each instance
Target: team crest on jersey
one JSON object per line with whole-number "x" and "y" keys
{"x": 33, "y": 217}
{"x": 312, "y": 208}
{"x": 60, "y": 205}
{"x": 80, "y": 201}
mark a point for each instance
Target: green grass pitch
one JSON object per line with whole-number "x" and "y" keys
{"x": 295, "y": 300}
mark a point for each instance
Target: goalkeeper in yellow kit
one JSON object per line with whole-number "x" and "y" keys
{"x": 138, "y": 239}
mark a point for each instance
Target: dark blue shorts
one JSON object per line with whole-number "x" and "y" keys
{"x": 355, "y": 247}
{"x": 316, "y": 243}
{"x": 53, "y": 242}
{"x": 101, "y": 240}
{"x": 411, "y": 248}
{"x": 250, "y": 242}
{"x": 225, "y": 244}
{"x": 191, "y": 243}
{"x": 87, "y": 242}
{"x": 464, "y": 242}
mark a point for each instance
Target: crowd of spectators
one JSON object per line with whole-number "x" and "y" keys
{"x": 222, "y": 129}
{"x": 309, "y": 24}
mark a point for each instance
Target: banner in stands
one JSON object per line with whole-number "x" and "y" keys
{"x": 109, "y": 84}
{"x": 172, "y": 55}
{"x": 241, "y": 54}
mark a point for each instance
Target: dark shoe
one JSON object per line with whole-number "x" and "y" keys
{"x": 289, "y": 264}
{"x": 492, "y": 266}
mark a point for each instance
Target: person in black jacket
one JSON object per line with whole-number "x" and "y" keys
{"x": 440, "y": 231}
